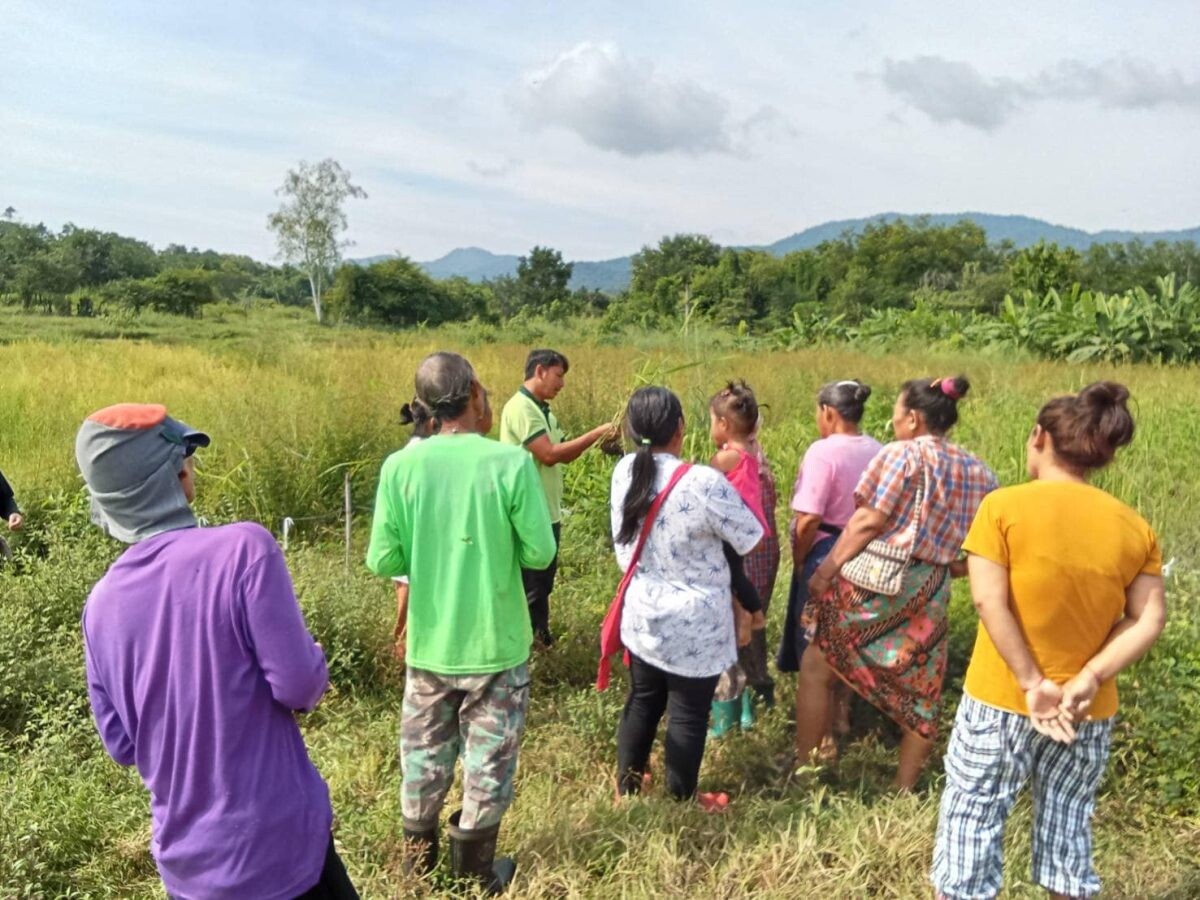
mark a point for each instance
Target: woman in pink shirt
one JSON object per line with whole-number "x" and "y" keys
{"x": 823, "y": 499}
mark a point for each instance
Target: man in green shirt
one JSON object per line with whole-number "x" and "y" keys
{"x": 461, "y": 515}
{"x": 528, "y": 422}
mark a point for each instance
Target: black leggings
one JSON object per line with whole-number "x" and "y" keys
{"x": 686, "y": 702}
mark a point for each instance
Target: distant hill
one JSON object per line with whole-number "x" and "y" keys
{"x": 477, "y": 264}
{"x": 1022, "y": 231}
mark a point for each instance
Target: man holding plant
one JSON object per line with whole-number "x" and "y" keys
{"x": 528, "y": 422}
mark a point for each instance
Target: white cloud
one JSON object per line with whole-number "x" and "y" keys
{"x": 622, "y": 104}
{"x": 949, "y": 91}
{"x": 1121, "y": 83}
{"x": 952, "y": 91}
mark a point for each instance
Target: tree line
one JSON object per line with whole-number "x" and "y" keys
{"x": 84, "y": 271}
{"x": 892, "y": 281}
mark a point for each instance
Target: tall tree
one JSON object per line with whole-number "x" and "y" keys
{"x": 309, "y": 223}
{"x": 542, "y": 279}
{"x": 676, "y": 255}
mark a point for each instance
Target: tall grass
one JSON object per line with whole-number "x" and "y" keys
{"x": 291, "y": 409}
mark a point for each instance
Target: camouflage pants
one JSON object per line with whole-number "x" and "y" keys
{"x": 478, "y": 717}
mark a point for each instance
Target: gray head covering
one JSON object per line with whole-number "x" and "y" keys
{"x": 131, "y": 455}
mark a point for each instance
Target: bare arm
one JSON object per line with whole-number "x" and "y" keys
{"x": 1144, "y": 619}
{"x": 804, "y": 535}
{"x": 400, "y": 633}
{"x": 725, "y": 460}
{"x": 551, "y": 454}
{"x": 864, "y": 526}
{"x": 989, "y": 591}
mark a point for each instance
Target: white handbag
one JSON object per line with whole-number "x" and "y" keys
{"x": 879, "y": 567}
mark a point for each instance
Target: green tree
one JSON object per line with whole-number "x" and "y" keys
{"x": 542, "y": 279}
{"x": 1044, "y": 267}
{"x": 676, "y": 258}
{"x": 399, "y": 292}
{"x": 309, "y": 223}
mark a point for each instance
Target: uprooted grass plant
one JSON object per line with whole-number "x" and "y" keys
{"x": 291, "y": 413}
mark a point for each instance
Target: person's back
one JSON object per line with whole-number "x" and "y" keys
{"x": 191, "y": 639}
{"x": 462, "y": 515}
{"x": 1071, "y": 551}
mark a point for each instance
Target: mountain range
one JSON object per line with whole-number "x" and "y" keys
{"x": 477, "y": 264}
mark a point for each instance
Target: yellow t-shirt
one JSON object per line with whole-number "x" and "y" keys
{"x": 1071, "y": 550}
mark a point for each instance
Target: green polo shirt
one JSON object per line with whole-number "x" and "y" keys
{"x": 526, "y": 418}
{"x": 461, "y": 515}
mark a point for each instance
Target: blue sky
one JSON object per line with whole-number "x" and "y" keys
{"x": 595, "y": 128}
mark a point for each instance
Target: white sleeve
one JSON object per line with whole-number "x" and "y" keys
{"x": 728, "y": 515}
{"x": 620, "y": 487}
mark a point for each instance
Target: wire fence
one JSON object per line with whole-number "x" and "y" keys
{"x": 289, "y": 523}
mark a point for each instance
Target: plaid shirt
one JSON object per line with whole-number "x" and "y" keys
{"x": 956, "y": 483}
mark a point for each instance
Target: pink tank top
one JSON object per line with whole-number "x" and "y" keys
{"x": 745, "y": 480}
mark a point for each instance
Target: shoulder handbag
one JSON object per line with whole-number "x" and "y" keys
{"x": 610, "y": 630}
{"x": 879, "y": 567}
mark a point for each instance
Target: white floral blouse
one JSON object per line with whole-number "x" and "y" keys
{"x": 677, "y": 613}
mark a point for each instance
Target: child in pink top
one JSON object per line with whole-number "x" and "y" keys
{"x": 733, "y": 425}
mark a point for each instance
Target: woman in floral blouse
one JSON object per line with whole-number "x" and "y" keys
{"x": 676, "y": 623}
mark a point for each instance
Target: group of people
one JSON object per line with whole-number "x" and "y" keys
{"x": 198, "y": 656}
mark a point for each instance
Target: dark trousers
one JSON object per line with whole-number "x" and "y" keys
{"x": 538, "y": 585}
{"x": 686, "y": 702}
{"x": 334, "y": 884}
{"x": 792, "y": 643}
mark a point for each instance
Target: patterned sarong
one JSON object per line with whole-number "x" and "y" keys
{"x": 890, "y": 650}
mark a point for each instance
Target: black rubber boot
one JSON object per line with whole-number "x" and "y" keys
{"x": 420, "y": 848}
{"x": 766, "y": 694}
{"x": 473, "y": 855}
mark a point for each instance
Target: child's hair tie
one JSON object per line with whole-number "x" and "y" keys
{"x": 645, "y": 442}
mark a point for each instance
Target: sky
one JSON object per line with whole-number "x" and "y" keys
{"x": 595, "y": 128}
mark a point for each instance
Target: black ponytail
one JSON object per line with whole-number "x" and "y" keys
{"x": 652, "y": 418}
{"x": 417, "y": 414}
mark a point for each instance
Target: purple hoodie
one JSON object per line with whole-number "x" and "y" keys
{"x": 197, "y": 655}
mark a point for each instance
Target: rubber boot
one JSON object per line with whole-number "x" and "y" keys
{"x": 420, "y": 848}
{"x": 747, "y": 718}
{"x": 473, "y": 855}
{"x": 724, "y": 718}
{"x": 766, "y": 694}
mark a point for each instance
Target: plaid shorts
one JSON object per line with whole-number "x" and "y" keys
{"x": 992, "y": 754}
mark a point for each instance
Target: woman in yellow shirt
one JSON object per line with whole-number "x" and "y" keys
{"x": 1067, "y": 581}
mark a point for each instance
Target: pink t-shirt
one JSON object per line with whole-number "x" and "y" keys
{"x": 746, "y": 480}
{"x": 829, "y": 473}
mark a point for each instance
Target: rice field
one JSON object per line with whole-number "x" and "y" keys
{"x": 292, "y": 408}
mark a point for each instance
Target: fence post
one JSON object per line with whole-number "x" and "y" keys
{"x": 288, "y": 524}
{"x": 349, "y": 511}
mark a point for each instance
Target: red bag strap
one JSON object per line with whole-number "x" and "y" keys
{"x": 647, "y": 525}
{"x": 610, "y": 630}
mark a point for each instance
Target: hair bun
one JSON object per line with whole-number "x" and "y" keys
{"x": 960, "y": 386}
{"x": 862, "y": 393}
{"x": 1101, "y": 395}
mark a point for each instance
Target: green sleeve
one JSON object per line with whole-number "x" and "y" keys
{"x": 531, "y": 518}
{"x": 385, "y": 554}
{"x": 520, "y": 423}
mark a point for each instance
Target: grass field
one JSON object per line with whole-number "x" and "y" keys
{"x": 292, "y": 407}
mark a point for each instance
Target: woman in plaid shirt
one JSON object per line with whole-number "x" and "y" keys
{"x": 892, "y": 650}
